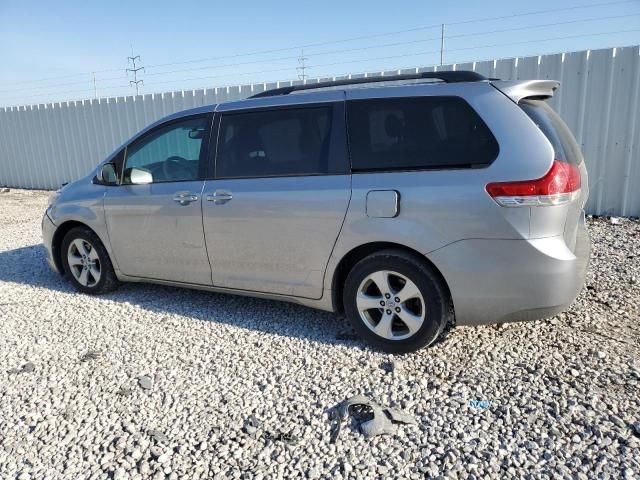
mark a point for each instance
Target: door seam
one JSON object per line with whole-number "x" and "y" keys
{"x": 344, "y": 219}
{"x": 204, "y": 236}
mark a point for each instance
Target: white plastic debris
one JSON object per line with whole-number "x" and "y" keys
{"x": 374, "y": 419}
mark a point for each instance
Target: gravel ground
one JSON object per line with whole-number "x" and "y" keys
{"x": 157, "y": 382}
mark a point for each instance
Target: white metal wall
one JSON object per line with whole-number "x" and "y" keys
{"x": 42, "y": 146}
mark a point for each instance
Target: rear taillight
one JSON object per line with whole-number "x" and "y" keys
{"x": 558, "y": 186}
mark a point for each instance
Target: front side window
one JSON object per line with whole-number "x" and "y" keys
{"x": 417, "y": 133}
{"x": 167, "y": 154}
{"x": 271, "y": 143}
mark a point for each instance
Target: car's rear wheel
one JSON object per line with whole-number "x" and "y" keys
{"x": 396, "y": 302}
{"x": 86, "y": 262}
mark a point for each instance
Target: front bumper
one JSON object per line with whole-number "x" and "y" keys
{"x": 495, "y": 281}
{"x": 48, "y": 230}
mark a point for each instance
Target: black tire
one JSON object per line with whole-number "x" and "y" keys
{"x": 437, "y": 302}
{"x": 108, "y": 280}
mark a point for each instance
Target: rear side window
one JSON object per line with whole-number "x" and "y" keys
{"x": 417, "y": 133}
{"x": 281, "y": 142}
{"x": 564, "y": 144}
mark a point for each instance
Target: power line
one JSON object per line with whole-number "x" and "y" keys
{"x": 362, "y": 37}
{"x": 322, "y": 75}
{"x": 137, "y": 68}
{"x": 275, "y": 70}
{"x": 543, "y": 25}
{"x": 352, "y": 61}
{"x": 209, "y": 67}
{"x": 477, "y": 47}
{"x": 84, "y": 82}
{"x": 539, "y": 12}
{"x": 413, "y": 67}
{"x": 396, "y": 32}
{"x": 403, "y": 43}
{"x": 394, "y": 56}
{"x": 21, "y": 82}
{"x": 318, "y": 75}
{"x": 59, "y": 93}
{"x": 546, "y": 39}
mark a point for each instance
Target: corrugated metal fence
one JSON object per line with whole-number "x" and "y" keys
{"x": 42, "y": 146}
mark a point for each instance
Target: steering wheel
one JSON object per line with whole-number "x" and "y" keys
{"x": 174, "y": 168}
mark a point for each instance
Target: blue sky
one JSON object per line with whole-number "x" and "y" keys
{"x": 63, "y": 42}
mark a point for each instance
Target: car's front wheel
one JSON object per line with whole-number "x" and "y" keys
{"x": 396, "y": 302}
{"x": 87, "y": 263}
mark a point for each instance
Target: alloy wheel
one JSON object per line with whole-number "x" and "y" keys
{"x": 391, "y": 305}
{"x": 84, "y": 262}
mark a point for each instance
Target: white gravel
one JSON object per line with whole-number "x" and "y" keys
{"x": 156, "y": 382}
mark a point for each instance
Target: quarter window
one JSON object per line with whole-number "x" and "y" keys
{"x": 562, "y": 140}
{"x": 417, "y": 133}
{"x": 169, "y": 154}
{"x": 271, "y": 143}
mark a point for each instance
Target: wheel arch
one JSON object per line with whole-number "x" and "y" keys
{"x": 58, "y": 236}
{"x": 358, "y": 253}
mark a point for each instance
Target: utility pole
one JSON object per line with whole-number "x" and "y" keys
{"x": 442, "y": 45}
{"x": 132, "y": 59}
{"x": 95, "y": 88}
{"x": 301, "y": 66}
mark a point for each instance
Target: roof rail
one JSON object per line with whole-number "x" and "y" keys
{"x": 447, "y": 77}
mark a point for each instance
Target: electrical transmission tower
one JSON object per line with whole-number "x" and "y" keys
{"x": 302, "y": 66}
{"x": 442, "y": 44}
{"x": 95, "y": 88}
{"x": 135, "y": 70}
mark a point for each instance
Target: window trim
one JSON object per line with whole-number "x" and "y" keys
{"x": 338, "y": 134}
{"x": 204, "y": 148}
{"x": 435, "y": 168}
{"x": 116, "y": 160}
{"x": 464, "y": 166}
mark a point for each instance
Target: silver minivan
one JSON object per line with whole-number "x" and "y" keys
{"x": 406, "y": 203}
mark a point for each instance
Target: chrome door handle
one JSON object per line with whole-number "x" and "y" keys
{"x": 219, "y": 197}
{"x": 185, "y": 198}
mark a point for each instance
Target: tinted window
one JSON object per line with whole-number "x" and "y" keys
{"x": 170, "y": 153}
{"x": 417, "y": 132}
{"x": 275, "y": 143}
{"x": 564, "y": 144}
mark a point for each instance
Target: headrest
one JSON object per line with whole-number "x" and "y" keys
{"x": 393, "y": 126}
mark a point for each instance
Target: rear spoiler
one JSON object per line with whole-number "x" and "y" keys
{"x": 516, "y": 90}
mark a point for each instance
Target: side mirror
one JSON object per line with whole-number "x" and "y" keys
{"x": 107, "y": 174}
{"x": 140, "y": 177}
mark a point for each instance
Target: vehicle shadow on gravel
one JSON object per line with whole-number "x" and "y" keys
{"x": 28, "y": 266}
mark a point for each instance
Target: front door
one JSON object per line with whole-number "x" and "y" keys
{"x": 274, "y": 211}
{"x": 154, "y": 217}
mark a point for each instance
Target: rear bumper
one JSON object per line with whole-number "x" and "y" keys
{"x": 495, "y": 281}
{"x": 48, "y": 230}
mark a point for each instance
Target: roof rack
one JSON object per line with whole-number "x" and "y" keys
{"x": 447, "y": 77}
